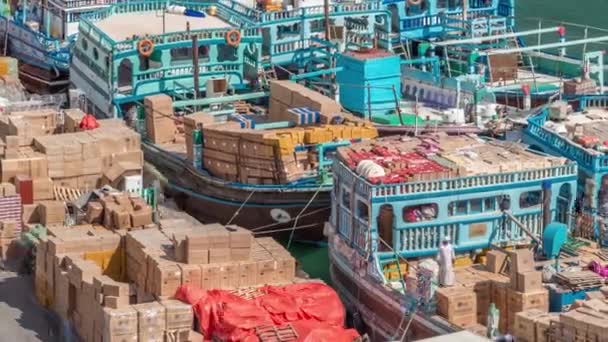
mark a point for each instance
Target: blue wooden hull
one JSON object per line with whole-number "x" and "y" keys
{"x": 34, "y": 48}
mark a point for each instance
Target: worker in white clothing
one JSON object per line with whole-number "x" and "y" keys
{"x": 445, "y": 258}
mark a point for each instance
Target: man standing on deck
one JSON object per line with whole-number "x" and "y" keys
{"x": 446, "y": 258}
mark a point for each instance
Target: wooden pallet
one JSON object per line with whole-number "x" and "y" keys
{"x": 579, "y": 280}
{"x": 270, "y": 333}
{"x": 248, "y": 293}
{"x": 66, "y": 194}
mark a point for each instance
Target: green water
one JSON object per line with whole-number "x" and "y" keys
{"x": 314, "y": 259}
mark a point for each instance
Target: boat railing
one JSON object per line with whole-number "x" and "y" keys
{"x": 593, "y": 101}
{"x": 186, "y": 70}
{"x": 424, "y": 21}
{"x": 451, "y": 184}
{"x": 70, "y": 4}
{"x": 289, "y": 46}
{"x": 591, "y": 160}
{"x": 425, "y": 239}
{"x": 300, "y": 13}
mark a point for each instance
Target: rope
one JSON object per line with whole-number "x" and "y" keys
{"x": 241, "y": 207}
{"x": 279, "y": 223}
{"x": 312, "y": 225}
{"x": 301, "y": 212}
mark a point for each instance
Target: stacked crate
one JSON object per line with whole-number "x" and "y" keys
{"x": 160, "y": 123}
{"x": 458, "y": 305}
{"x": 532, "y": 325}
{"x": 192, "y": 122}
{"x": 526, "y": 291}
{"x": 287, "y": 94}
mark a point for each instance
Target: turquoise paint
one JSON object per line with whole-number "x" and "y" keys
{"x": 383, "y": 77}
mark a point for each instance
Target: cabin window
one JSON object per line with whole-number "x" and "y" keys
{"x": 420, "y": 212}
{"x": 95, "y": 54}
{"x": 362, "y": 210}
{"x": 442, "y": 4}
{"x": 346, "y": 198}
{"x": 226, "y": 53}
{"x": 85, "y": 44}
{"x": 530, "y": 199}
{"x": 184, "y": 55}
{"x": 284, "y": 31}
{"x": 476, "y": 205}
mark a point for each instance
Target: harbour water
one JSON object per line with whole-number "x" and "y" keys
{"x": 314, "y": 259}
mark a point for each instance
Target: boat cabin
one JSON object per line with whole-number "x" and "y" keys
{"x": 402, "y": 196}
{"x": 137, "y": 49}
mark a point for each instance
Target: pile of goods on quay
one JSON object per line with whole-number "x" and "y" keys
{"x": 72, "y": 200}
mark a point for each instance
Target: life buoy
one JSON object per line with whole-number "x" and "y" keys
{"x": 414, "y": 2}
{"x": 145, "y": 47}
{"x": 233, "y": 37}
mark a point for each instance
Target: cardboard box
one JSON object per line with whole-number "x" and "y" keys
{"x": 219, "y": 255}
{"x": 179, "y": 315}
{"x": 94, "y": 213}
{"x": 115, "y": 302}
{"x": 52, "y": 212}
{"x": 239, "y": 237}
{"x": 495, "y": 260}
{"x": 151, "y": 318}
{"x": 191, "y": 275}
{"x": 528, "y": 281}
{"x": 122, "y": 321}
{"x": 522, "y": 260}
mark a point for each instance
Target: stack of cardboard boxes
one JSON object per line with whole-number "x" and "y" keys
{"x": 81, "y": 160}
{"x": 79, "y": 275}
{"x": 119, "y": 211}
{"x": 458, "y": 305}
{"x": 160, "y": 122}
{"x": 526, "y": 291}
{"x": 287, "y": 94}
{"x": 208, "y": 257}
{"x": 270, "y": 156}
{"x": 11, "y": 211}
{"x": 25, "y": 126}
{"x": 533, "y": 325}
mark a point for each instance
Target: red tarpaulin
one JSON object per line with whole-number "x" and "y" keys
{"x": 89, "y": 122}
{"x": 314, "y": 310}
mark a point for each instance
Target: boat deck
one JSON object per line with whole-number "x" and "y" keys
{"x": 126, "y": 25}
{"x": 527, "y": 76}
{"x": 443, "y": 156}
{"x": 592, "y": 123}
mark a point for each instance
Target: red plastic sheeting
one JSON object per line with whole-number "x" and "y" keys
{"x": 314, "y": 310}
{"x": 89, "y": 122}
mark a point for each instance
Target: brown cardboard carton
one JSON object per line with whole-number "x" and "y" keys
{"x": 522, "y": 260}
{"x": 197, "y": 256}
{"x": 52, "y": 212}
{"x": 179, "y": 315}
{"x": 219, "y": 255}
{"x": 218, "y": 238}
{"x": 151, "y": 319}
{"x": 455, "y": 301}
{"x": 495, "y": 260}
{"x": 141, "y": 217}
{"x": 94, "y": 213}
{"x": 239, "y": 237}
{"x": 528, "y": 281}
{"x": 122, "y": 321}
{"x": 240, "y": 254}
{"x": 247, "y": 273}
{"x": 121, "y": 219}
{"x": 211, "y": 276}
{"x": 191, "y": 275}
{"x": 115, "y": 302}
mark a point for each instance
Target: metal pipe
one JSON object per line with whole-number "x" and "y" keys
{"x": 223, "y": 99}
{"x": 544, "y": 46}
{"x": 195, "y": 66}
{"x": 522, "y": 227}
{"x": 497, "y": 36}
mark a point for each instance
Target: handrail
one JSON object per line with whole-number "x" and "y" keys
{"x": 451, "y": 184}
